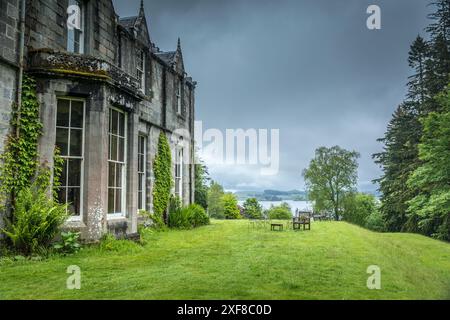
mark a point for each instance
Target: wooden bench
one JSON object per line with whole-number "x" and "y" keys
{"x": 276, "y": 227}
{"x": 297, "y": 223}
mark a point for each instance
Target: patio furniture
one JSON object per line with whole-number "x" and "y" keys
{"x": 276, "y": 227}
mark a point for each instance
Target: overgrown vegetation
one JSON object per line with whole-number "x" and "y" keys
{"x": 26, "y": 184}
{"x": 69, "y": 243}
{"x": 414, "y": 184}
{"x": 162, "y": 168}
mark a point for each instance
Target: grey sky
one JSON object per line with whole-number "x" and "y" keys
{"x": 310, "y": 68}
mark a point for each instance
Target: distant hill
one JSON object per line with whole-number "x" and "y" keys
{"x": 273, "y": 195}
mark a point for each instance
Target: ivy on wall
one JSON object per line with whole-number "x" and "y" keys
{"x": 162, "y": 168}
{"x": 20, "y": 159}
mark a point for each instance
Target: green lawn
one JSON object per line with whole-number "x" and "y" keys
{"x": 227, "y": 261}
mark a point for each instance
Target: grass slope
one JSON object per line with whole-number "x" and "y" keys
{"x": 227, "y": 261}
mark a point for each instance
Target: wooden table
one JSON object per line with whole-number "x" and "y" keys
{"x": 276, "y": 227}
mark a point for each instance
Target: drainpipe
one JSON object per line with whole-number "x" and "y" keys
{"x": 21, "y": 64}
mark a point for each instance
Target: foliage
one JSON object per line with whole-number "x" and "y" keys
{"x": 431, "y": 180}
{"x": 36, "y": 221}
{"x": 253, "y": 209}
{"x": 230, "y": 206}
{"x": 215, "y": 201}
{"x": 162, "y": 168}
{"x": 280, "y": 212}
{"x": 198, "y": 215}
{"x": 175, "y": 204}
{"x": 331, "y": 175}
{"x": 362, "y": 209}
{"x": 201, "y": 185}
{"x": 405, "y": 195}
{"x": 19, "y": 161}
{"x": 69, "y": 243}
{"x": 154, "y": 221}
{"x": 109, "y": 243}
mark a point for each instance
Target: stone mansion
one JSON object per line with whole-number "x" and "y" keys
{"x": 106, "y": 92}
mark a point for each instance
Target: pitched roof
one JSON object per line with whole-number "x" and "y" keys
{"x": 128, "y": 22}
{"x": 167, "y": 57}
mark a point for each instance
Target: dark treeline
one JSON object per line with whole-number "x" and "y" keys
{"x": 415, "y": 160}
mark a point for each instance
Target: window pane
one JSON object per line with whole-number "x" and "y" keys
{"x": 140, "y": 182}
{"x": 121, "y": 124}
{"x": 62, "y": 140}
{"x": 74, "y": 173}
{"x": 76, "y": 137}
{"x": 140, "y": 200}
{"x": 62, "y": 119}
{"x": 62, "y": 195}
{"x": 77, "y": 114}
{"x": 118, "y": 201}
{"x": 74, "y": 200}
{"x": 63, "y": 178}
{"x": 121, "y": 150}
{"x": 114, "y": 124}
{"x": 111, "y": 174}
{"x": 113, "y": 148}
{"x": 119, "y": 175}
{"x": 111, "y": 201}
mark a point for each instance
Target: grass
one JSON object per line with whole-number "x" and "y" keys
{"x": 227, "y": 261}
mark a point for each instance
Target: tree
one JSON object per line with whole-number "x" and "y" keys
{"x": 417, "y": 60}
{"x": 215, "y": 201}
{"x": 230, "y": 206}
{"x": 253, "y": 209}
{"x": 281, "y": 212}
{"x": 331, "y": 175}
{"x": 201, "y": 185}
{"x": 162, "y": 168}
{"x": 360, "y": 208}
{"x": 398, "y": 160}
{"x": 431, "y": 180}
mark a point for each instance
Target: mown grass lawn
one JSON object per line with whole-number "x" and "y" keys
{"x": 227, "y": 261}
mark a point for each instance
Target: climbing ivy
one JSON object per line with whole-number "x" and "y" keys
{"x": 20, "y": 158}
{"x": 162, "y": 168}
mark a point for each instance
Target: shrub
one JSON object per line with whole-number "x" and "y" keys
{"x": 154, "y": 221}
{"x": 230, "y": 206}
{"x": 198, "y": 216}
{"x": 36, "y": 220}
{"x": 375, "y": 222}
{"x": 69, "y": 243}
{"x": 281, "y": 212}
{"x": 180, "y": 219}
{"x": 253, "y": 209}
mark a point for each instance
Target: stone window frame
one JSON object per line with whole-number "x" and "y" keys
{"x": 81, "y": 4}
{"x": 124, "y": 163}
{"x": 142, "y": 172}
{"x": 69, "y": 157}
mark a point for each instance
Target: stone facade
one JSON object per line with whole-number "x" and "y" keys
{"x": 116, "y": 72}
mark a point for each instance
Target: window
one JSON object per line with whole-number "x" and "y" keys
{"x": 179, "y": 172}
{"x": 117, "y": 163}
{"x": 70, "y": 142}
{"x": 75, "y": 34}
{"x": 142, "y": 158}
{"x": 179, "y": 101}
{"x": 140, "y": 68}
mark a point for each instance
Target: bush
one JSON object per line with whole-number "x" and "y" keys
{"x": 154, "y": 221}
{"x": 281, "y": 212}
{"x": 375, "y": 222}
{"x": 180, "y": 219}
{"x": 230, "y": 206}
{"x": 252, "y": 209}
{"x": 36, "y": 220}
{"x": 362, "y": 209}
{"x": 198, "y": 216}
{"x": 69, "y": 243}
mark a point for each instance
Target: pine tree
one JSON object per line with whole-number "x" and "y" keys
{"x": 418, "y": 56}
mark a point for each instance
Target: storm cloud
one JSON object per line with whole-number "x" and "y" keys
{"x": 310, "y": 68}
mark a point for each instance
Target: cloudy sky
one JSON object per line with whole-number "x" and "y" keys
{"x": 310, "y": 68}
